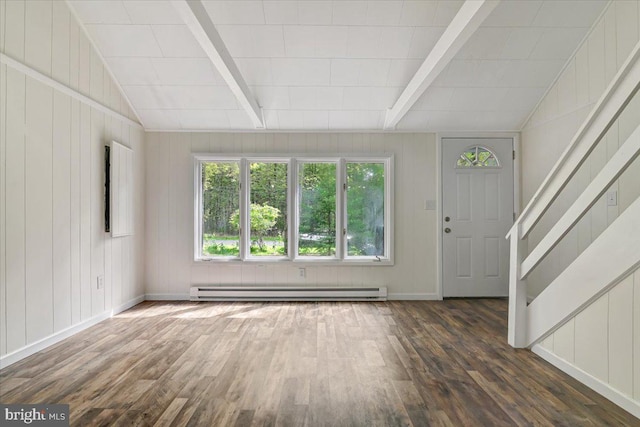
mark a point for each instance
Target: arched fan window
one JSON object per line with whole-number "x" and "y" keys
{"x": 477, "y": 157}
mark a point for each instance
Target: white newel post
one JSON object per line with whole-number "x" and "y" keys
{"x": 517, "y": 291}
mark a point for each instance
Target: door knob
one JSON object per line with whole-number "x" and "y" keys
{"x": 447, "y": 230}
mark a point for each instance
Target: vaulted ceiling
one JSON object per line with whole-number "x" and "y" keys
{"x": 334, "y": 65}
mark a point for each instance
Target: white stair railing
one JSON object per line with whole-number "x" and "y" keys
{"x": 621, "y": 90}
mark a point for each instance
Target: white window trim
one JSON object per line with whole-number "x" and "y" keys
{"x": 341, "y": 160}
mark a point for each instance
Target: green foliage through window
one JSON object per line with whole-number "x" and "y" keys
{"x": 317, "y": 212}
{"x": 220, "y": 199}
{"x": 365, "y": 209}
{"x": 475, "y": 157}
{"x": 314, "y": 204}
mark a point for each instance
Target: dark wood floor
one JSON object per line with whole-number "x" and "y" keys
{"x": 293, "y": 364}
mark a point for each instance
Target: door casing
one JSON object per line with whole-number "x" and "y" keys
{"x": 515, "y": 136}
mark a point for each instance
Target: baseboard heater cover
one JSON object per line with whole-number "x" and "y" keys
{"x": 242, "y": 293}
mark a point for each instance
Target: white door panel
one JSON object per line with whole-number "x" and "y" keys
{"x": 477, "y": 212}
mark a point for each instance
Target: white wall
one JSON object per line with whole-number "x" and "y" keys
{"x": 553, "y": 124}
{"x": 52, "y": 243}
{"x": 604, "y": 339}
{"x": 169, "y": 219}
{"x": 601, "y": 344}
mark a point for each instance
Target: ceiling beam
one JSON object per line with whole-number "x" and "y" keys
{"x": 464, "y": 24}
{"x": 199, "y": 23}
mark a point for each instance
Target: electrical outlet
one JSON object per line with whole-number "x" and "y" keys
{"x": 302, "y": 272}
{"x": 100, "y": 282}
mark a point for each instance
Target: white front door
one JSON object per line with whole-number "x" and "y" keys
{"x": 477, "y": 212}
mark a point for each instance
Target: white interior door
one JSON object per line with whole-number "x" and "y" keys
{"x": 477, "y": 212}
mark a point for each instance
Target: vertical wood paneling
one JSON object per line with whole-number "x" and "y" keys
{"x": 74, "y": 54}
{"x": 84, "y": 68}
{"x": 51, "y": 180}
{"x": 15, "y": 219}
{"x": 596, "y": 62}
{"x": 14, "y": 29}
{"x": 137, "y": 138}
{"x": 548, "y": 132}
{"x": 3, "y": 11}
{"x": 169, "y": 220}
{"x": 564, "y": 343}
{"x": 181, "y": 195}
{"x": 116, "y": 271}
{"x": 75, "y": 212}
{"x": 626, "y": 29}
{"x": 39, "y": 203}
{"x": 567, "y": 89}
{"x": 629, "y": 182}
{"x": 636, "y": 335}
{"x": 610, "y": 44}
{"x": 591, "y": 339}
{"x": 38, "y": 27}
{"x": 97, "y": 209}
{"x": 176, "y": 146}
{"x": 621, "y": 336}
{"x": 96, "y": 71}
{"x": 3, "y": 198}
{"x": 61, "y": 211}
{"x": 163, "y": 173}
{"x": 108, "y": 256}
{"x": 582, "y": 75}
{"x": 85, "y": 211}
{"x": 60, "y": 56}
{"x": 151, "y": 243}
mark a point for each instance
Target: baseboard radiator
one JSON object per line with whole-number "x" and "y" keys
{"x": 241, "y": 293}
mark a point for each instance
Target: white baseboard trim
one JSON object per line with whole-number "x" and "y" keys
{"x": 127, "y": 305}
{"x": 28, "y": 350}
{"x": 623, "y": 401}
{"x": 391, "y": 296}
{"x": 407, "y": 297}
{"x": 167, "y": 297}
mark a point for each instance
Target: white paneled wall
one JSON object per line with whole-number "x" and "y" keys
{"x": 601, "y": 344}
{"x": 555, "y": 121}
{"x": 169, "y": 220}
{"x": 52, "y": 240}
{"x": 604, "y": 339}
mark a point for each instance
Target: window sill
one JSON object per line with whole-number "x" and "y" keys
{"x": 298, "y": 262}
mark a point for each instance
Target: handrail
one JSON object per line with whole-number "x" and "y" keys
{"x": 606, "y": 111}
{"x": 620, "y": 161}
{"x": 618, "y": 94}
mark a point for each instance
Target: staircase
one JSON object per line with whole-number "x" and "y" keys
{"x": 608, "y": 260}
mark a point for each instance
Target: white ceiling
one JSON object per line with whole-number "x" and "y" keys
{"x": 320, "y": 65}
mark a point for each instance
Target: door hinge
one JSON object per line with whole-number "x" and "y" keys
{"x": 514, "y": 217}
{"x": 514, "y": 154}
{"x": 344, "y": 186}
{"x": 344, "y": 231}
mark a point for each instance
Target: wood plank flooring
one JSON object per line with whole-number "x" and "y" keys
{"x": 314, "y": 364}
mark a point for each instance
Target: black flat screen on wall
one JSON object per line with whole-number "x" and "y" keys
{"x": 107, "y": 185}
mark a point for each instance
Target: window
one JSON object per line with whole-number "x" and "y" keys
{"x": 220, "y": 208}
{"x": 317, "y": 209}
{"x": 477, "y": 157}
{"x": 365, "y": 209}
{"x": 268, "y": 212}
{"x": 309, "y": 209}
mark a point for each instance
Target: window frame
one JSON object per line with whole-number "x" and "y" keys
{"x": 245, "y": 238}
{"x": 387, "y": 209}
{"x": 341, "y": 257}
